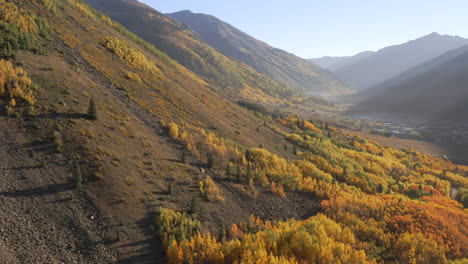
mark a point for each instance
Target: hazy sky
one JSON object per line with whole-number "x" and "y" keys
{"x": 310, "y": 28}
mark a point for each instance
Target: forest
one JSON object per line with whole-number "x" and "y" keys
{"x": 379, "y": 204}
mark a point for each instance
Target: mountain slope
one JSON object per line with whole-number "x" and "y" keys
{"x": 334, "y": 63}
{"x": 427, "y": 92}
{"x": 125, "y": 158}
{"x": 394, "y": 60}
{"x": 182, "y": 45}
{"x": 111, "y": 152}
{"x": 280, "y": 65}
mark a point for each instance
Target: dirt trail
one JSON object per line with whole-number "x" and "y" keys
{"x": 43, "y": 218}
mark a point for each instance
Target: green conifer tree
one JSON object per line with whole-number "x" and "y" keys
{"x": 194, "y": 205}
{"x": 92, "y": 111}
{"x": 77, "y": 177}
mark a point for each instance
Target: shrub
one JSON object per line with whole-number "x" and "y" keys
{"x": 173, "y": 130}
{"x": 133, "y": 76}
{"x": 51, "y": 5}
{"x": 210, "y": 190}
{"x": 277, "y": 189}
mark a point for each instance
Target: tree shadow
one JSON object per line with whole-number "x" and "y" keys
{"x": 26, "y": 167}
{"x": 54, "y": 115}
{"x": 151, "y": 249}
{"x": 51, "y": 189}
{"x": 40, "y": 146}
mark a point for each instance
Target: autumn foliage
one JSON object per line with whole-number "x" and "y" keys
{"x": 11, "y": 14}
{"x": 379, "y": 204}
{"x": 129, "y": 55}
{"x": 15, "y": 86}
{"x": 210, "y": 190}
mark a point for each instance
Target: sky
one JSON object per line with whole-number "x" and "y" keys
{"x": 311, "y": 28}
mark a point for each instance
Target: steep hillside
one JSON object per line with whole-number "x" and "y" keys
{"x": 280, "y": 65}
{"x": 430, "y": 92}
{"x": 394, "y": 60}
{"x": 112, "y": 152}
{"x": 335, "y": 63}
{"x": 63, "y": 54}
{"x": 182, "y": 45}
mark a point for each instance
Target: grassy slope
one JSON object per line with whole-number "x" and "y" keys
{"x": 127, "y": 145}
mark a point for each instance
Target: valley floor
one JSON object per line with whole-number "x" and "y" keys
{"x": 428, "y": 148}
{"x": 454, "y": 151}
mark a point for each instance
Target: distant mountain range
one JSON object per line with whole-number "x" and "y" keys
{"x": 369, "y": 69}
{"x": 434, "y": 92}
{"x": 335, "y": 63}
{"x": 279, "y": 64}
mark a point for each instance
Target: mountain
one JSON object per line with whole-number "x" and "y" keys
{"x": 113, "y": 152}
{"x": 394, "y": 60}
{"x": 334, "y": 63}
{"x": 434, "y": 91}
{"x": 181, "y": 44}
{"x": 279, "y": 64}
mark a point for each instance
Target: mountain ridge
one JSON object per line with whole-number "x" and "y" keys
{"x": 182, "y": 45}
{"x": 279, "y": 64}
{"x": 434, "y": 87}
{"x": 333, "y": 63}
{"x": 393, "y": 60}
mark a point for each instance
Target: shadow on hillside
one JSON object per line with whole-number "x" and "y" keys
{"x": 51, "y": 189}
{"x": 26, "y": 167}
{"x": 39, "y": 146}
{"x": 457, "y": 153}
{"x": 148, "y": 250}
{"x": 53, "y": 115}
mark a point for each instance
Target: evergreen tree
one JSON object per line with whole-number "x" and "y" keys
{"x": 183, "y": 157}
{"x": 77, "y": 177}
{"x": 238, "y": 173}
{"x": 194, "y": 205}
{"x": 380, "y": 188}
{"x": 170, "y": 189}
{"x": 222, "y": 233}
{"x": 249, "y": 173}
{"x": 228, "y": 170}
{"x": 209, "y": 161}
{"x": 295, "y": 150}
{"x": 8, "y": 50}
{"x": 92, "y": 111}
